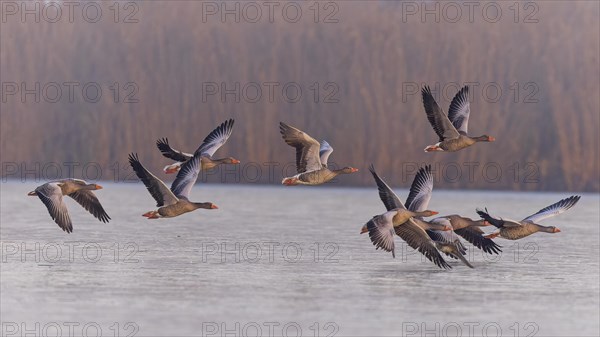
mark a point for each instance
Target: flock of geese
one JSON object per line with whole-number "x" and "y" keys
{"x": 406, "y": 220}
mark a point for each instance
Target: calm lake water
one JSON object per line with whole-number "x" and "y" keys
{"x": 288, "y": 261}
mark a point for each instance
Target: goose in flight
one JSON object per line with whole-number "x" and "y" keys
{"x": 445, "y": 240}
{"x": 207, "y": 149}
{"x": 452, "y": 128}
{"x": 51, "y": 194}
{"x": 311, "y": 158}
{"x": 174, "y": 201}
{"x": 418, "y": 199}
{"x": 514, "y": 230}
{"x": 382, "y": 227}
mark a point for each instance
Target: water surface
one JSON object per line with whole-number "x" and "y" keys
{"x": 287, "y": 260}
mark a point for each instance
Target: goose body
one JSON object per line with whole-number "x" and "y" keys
{"x": 215, "y": 139}
{"x": 311, "y": 158}
{"x": 452, "y": 128}
{"x": 514, "y": 230}
{"x": 51, "y": 194}
{"x": 174, "y": 201}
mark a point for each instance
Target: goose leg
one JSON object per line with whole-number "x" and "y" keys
{"x": 491, "y": 236}
{"x": 151, "y": 215}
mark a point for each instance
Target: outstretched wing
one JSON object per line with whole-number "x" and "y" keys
{"x": 554, "y": 209}
{"x": 420, "y": 190}
{"x": 418, "y": 239}
{"x": 474, "y": 235}
{"x": 307, "y": 148}
{"x": 51, "y": 195}
{"x": 169, "y": 152}
{"x": 459, "y": 110}
{"x": 445, "y": 236}
{"x": 387, "y": 196}
{"x": 186, "y": 177}
{"x": 216, "y": 138}
{"x": 436, "y": 117}
{"x": 324, "y": 152}
{"x": 381, "y": 233}
{"x": 88, "y": 200}
{"x": 159, "y": 191}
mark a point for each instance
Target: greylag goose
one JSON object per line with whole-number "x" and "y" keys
{"x": 209, "y": 146}
{"x": 382, "y": 228}
{"x": 452, "y": 128}
{"x": 51, "y": 194}
{"x": 311, "y": 158}
{"x": 418, "y": 199}
{"x": 171, "y": 202}
{"x": 514, "y": 230}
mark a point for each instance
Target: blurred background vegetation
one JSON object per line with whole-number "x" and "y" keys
{"x": 376, "y": 54}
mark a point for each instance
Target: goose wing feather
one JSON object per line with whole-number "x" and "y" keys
{"x": 51, "y": 195}
{"x": 159, "y": 191}
{"x": 216, "y": 138}
{"x": 437, "y": 118}
{"x": 307, "y": 148}
{"x": 460, "y": 110}
{"x": 554, "y": 209}
{"x": 88, "y": 200}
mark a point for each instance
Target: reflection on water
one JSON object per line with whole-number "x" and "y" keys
{"x": 286, "y": 261}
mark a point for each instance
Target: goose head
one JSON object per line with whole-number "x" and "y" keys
{"x": 348, "y": 170}
{"x": 485, "y": 138}
{"x": 92, "y": 187}
{"x": 426, "y": 213}
{"x": 206, "y": 205}
{"x": 231, "y": 160}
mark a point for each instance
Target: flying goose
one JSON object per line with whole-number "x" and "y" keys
{"x": 418, "y": 200}
{"x": 171, "y": 202}
{"x": 514, "y": 230}
{"x": 51, "y": 194}
{"x": 207, "y": 149}
{"x": 311, "y": 158}
{"x": 382, "y": 228}
{"x": 451, "y": 129}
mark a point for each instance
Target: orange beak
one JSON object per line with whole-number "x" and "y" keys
{"x": 434, "y": 212}
{"x": 98, "y": 187}
{"x": 447, "y": 228}
{"x": 213, "y": 206}
{"x": 491, "y": 139}
{"x": 432, "y": 148}
{"x": 235, "y": 161}
{"x": 363, "y": 230}
{"x": 171, "y": 170}
{"x": 556, "y": 230}
{"x": 354, "y": 170}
